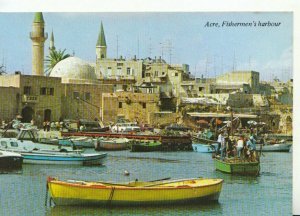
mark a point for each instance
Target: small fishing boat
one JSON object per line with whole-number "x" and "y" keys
{"x": 145, "y": 146}
{"x": 10, "y": 160}
{"x": 237, "y": 166}
{"x": 112, "y": 144}
{"x": 277, "y": 147}
{"x": 27, "y": 141}
{"x": 205, "y": 148}
{"x": 182, "y": 191}
{"x": 79, "y": 142}
{"x": 62, "y": 158}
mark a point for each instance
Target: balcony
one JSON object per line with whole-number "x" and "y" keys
{"x": 34, "y": 35}
{"x": 30, "y": 99}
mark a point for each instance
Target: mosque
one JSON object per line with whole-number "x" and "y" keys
{"x": 75, "y": 88}
{"x": 144, "y": 90}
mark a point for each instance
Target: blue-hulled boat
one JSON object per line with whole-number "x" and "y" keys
{"x": 62, "y": 158}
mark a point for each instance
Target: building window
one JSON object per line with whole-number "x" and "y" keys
{"x": 27, "y": 90}
{"x": 147, "y": 74}
{"x": 200, "y": 88}
{"x": 120, "y": 104}
{"x": 87, "y": 96}
{"x": 176, "y": 74}
{"x": 128, "y": 71}
{"x": 124, "y": 87}
{"x": 156, "y": 73}
{"x": 51, "y": 92}
{"x": 144, "y": 105}
{"x": 43, "y": 91}
{"x": 75, "y": 95}
{"x": 119, "y": 71}
{"x": 119, "y": 64}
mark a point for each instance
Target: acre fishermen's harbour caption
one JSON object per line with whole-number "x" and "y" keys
{"x": 242, "y": 24}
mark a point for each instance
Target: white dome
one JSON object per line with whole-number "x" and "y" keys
{"x": 74, "y": 68}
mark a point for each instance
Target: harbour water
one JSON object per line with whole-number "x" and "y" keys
{"x": 23, "y": 193}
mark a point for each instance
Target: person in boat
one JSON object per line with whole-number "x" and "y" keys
{"x": 251, "y": 145}
{"x": 230, "y": 147}
{"x": 240, "y": 146}
{"x": 221, "y": 140}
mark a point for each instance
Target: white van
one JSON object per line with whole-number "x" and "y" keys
{"x": 125, "y": 127}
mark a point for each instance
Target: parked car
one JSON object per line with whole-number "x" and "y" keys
{"x": 125, "y": 127}
{"x": 146, "y": 127}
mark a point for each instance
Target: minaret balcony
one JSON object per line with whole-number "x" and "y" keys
{"x": 30, "y": 98}
{"x": 36, "y": 35}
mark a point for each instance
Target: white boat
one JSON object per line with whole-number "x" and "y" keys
{"x": 10, "y": 160}
{"x": 277, "y": 147}
{"x": 27, "y": 141}
{"x": 62, "y": 158}
{"x": 205, "y": 148}
{"x": 81, "y": 142}
{"x": 112, "y": 144}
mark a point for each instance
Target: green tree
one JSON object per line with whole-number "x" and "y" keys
{"x": 53, "y": 58}
{"x": 2, "y": 70}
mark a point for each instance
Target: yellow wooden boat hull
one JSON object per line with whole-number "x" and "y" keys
{"x": 135, "y": 193}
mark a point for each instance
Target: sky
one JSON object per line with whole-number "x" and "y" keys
{"x": 179, "y": 37}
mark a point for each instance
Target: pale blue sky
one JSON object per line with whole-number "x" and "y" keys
{"x": 208, "y": 50}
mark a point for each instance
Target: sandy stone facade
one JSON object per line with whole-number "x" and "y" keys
{"x": 131, "y": 106}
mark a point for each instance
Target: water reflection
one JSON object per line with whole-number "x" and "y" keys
{"x": 214, "y": 208}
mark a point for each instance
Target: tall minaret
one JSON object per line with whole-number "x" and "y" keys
{"x": 38, "y": 37}
{"x": 51, "y": 45}
{"x": 101, "y": 45}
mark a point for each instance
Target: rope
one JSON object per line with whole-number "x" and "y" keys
{"x": 111, "y": 196}
{"x": 46, "y": 197}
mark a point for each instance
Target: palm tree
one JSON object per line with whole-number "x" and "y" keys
{"x": 2, "y": 70}
{"x": 54, "y": 57}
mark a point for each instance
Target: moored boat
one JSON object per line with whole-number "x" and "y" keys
{"x": 27, "y": 141}
{"x": 145, "y": 146}
{"x": 62, "y": 158}
{"x": 184, "y": 191}
{"x": 277, "y": 147}
{"x": 205, "y": 148}
{"x": 112, "y": 144}
{"x": 237, "y": 166}
{"x": 10, "y": 160}
{"x": 78, "y": 142}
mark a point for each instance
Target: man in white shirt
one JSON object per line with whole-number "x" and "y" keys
{"x": 240, "y": 145}
{"x": 221, "y": 139}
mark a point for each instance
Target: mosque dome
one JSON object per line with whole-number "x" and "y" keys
{"x": 74, "y": 68}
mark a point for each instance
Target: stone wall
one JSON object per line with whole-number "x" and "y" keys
{"x": 163, "y": 118}
{"x": 8, "y": 98}
{"x": 131, "y": 106}
{"x": 83, "y": 100}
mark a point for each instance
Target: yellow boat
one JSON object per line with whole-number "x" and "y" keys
{"x": 188, "y": 191}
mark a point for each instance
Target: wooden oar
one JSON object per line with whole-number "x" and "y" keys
{"x": 160, "y": 179}
{"x": 128, "y": 184}
{"x": 161, "y": 183}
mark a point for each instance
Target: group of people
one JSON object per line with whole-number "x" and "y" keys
{"x": 241, "y": 148}
{"x": 47, "y": 125}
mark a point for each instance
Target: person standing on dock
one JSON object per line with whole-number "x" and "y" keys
{"x": 221, "y": 139}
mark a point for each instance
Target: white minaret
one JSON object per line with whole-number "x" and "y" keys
{"x": 38, "y": 37}
{"x": 51, "y": 45}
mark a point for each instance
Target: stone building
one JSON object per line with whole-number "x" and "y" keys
{"x": 33, "y": 97}
{"x": 132, "y": 106}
